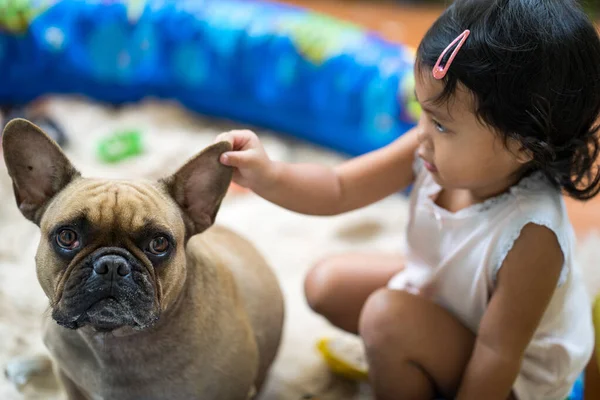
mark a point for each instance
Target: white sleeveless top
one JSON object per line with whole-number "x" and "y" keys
{"x": 461, "y": 253}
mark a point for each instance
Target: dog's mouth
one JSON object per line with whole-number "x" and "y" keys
{"x": 106, "y": 315}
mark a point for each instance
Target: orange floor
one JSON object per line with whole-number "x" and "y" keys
{"x": 408, "y": 24}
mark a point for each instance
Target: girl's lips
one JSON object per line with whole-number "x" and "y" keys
{"x": 429, "y": 166}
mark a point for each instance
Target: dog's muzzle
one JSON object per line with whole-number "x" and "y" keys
{"x": 108, "y": 290}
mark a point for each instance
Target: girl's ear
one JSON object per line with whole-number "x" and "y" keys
{"x": 522, "y": 155}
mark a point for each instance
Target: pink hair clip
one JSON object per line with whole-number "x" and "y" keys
{"x": 440, "y": 71}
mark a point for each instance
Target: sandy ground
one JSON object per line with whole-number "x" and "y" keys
{"x": 289, "y": 241}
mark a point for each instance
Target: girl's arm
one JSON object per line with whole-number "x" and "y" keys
{"x": 321, "y": 190}
{"x": 525, "y": 285}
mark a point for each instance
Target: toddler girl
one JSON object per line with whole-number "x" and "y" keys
{"x": 487, "y": 303}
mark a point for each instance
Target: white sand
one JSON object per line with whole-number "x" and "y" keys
{"x": 290, "y": 242}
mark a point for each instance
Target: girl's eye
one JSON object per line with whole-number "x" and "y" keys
{"x": 439, "y": 127}
{"x": 67, "y": 239}
{"x": 159, "y": 246}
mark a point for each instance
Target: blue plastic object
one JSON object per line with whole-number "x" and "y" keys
{"x": 255, "y": 62}
{"x": 578, "y": 389}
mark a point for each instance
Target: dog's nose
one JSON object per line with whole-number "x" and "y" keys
{"x": 112, "y": 266}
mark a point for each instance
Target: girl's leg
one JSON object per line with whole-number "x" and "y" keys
{"x": 415, "y": 348}
{"x": 337, "y": 287}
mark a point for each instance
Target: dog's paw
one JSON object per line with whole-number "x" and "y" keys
{"x": 21, "y": 371}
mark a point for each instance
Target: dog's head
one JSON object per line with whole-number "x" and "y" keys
{"x": 111, "y": 253}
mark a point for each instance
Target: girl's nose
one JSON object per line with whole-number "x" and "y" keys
{"x": 424, "y": 138}
{"x": 421, "y": 134}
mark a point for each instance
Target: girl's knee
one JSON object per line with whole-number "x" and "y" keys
{"x": 385, "y": 317}
{"x": 320, "y": 284}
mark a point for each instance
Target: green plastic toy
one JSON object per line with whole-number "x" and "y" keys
{"x": 16, "y": 15}
{"x": 120, "y": 146}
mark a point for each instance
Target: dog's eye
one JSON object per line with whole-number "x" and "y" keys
{"x": 67, "y": 239}
{"x": 159, "y": 245}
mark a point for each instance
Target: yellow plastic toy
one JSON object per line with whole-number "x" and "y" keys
{"x": 344, "y": 359}
{"x": 597, "y": 327}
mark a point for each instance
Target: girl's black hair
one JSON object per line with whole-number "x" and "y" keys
{"x": 534, "y": 69}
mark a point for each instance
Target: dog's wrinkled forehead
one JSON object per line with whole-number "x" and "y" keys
{"x": 126, "y": 206}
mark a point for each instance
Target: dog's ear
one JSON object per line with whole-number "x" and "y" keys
{"x": 200, "y": 186}
{"x": 38, "y": 167}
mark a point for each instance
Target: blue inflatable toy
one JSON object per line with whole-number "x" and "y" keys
{"x": 273, "y": 66}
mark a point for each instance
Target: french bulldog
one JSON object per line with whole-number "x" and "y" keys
{"x": 147, "y": 299}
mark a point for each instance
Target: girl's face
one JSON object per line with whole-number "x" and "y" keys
{"x": 459, "y": 150}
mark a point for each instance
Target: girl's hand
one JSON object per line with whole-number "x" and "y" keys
{"x": 253, "y": 168}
